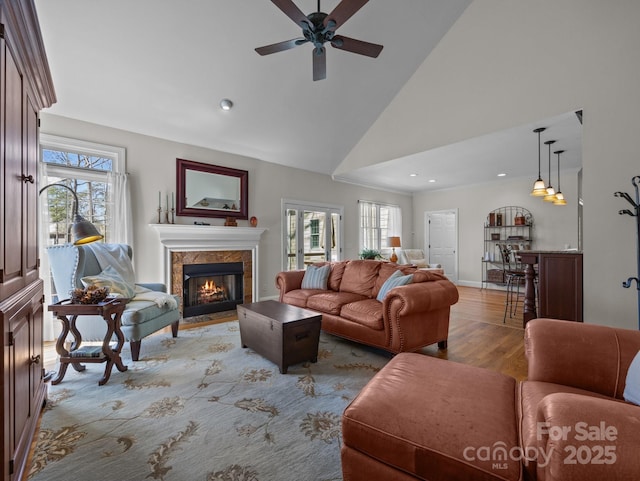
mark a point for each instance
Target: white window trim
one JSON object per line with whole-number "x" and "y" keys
{"x": 65, "y": 144}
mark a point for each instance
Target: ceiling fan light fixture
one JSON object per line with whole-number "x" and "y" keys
{"x": 319, "y": 28}
{"x": 226, "y": 104}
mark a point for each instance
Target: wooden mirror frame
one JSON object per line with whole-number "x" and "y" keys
{"x": 183, "y": 166}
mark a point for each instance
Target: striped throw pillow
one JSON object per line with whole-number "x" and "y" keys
{"x": 316, "y": 277}
{"x": 394, "y": 280}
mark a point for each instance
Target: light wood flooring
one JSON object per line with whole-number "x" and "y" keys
{"x": 477, "y": 335}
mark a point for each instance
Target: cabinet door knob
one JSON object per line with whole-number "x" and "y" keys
{"x": 35, "y": 359}
{"x": 28, "y": 179}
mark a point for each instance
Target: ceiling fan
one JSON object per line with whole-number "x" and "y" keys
{"x": 319, "y": 28}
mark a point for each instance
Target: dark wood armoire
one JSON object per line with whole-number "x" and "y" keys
{"x": 25, "y": 88}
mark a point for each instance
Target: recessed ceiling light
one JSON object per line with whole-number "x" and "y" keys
{"x": 432, "y": 180}
{"x": 502, "y": 174}
{"x": 226, "y": 104}
{"x": 413, "y": 175}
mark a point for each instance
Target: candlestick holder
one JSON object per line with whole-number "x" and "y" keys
{"x": 166, "y": 217}
{"x": 159, "y": 213}
{"x": 173, "y": 216}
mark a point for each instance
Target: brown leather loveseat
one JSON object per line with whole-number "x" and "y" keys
{"x": 430, "y": 419}
{"x": 408, "y": 318}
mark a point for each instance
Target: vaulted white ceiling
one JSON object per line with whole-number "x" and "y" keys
{"x": 161, "y": 67}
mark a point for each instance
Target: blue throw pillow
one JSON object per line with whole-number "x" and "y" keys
{"x": 394, "y": 280}
{"x": 632, "y": 384}
{"x": 316, "y": 277}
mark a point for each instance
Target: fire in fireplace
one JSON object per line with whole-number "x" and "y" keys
{"x": 209, "y": 288}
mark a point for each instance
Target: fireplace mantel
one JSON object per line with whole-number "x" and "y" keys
{"x": 209, "y": 236}
{"x": 185, "y": 237}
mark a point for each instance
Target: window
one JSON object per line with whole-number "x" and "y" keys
{"x": 311, "y": 233}
{"x": 314, "y": 225}
{"x": 97, "y": 174}
{"x": 89, "y": 170}
{"x": 377, "y": 223}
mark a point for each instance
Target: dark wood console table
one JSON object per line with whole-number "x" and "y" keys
{"x": 67, "y": 312}
{"x": 559, "y": 285}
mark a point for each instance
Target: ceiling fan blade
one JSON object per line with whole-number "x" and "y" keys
{"x": 343, "y": 12}
{"x": 280, "y": 46}
{"x": 319, "y": 63}
{"x": 293, "y": 12}
{"x": 356, "y": 46}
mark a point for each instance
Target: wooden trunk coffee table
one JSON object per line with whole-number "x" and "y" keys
{"x": 283, "y": 334}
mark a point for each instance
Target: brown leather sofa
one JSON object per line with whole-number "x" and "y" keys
{"x": 409, "y": 318}
{"x": 426, "y": 418}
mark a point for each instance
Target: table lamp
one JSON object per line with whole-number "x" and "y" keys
{"x": 393, "y": 243}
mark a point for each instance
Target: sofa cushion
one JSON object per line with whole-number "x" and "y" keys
{"x": 360, "y": 277}
{"x": 435, "y": 419}
{"x": 530, "y": 395}
{"x": 387, "y": 269}
{"x": 332, "y": 302}
{"x": 299, "y": 297}
{"x": 394, "y": 280}
{"x": 367, "y": 312}
{"x": 138, "y": 312}
{"x": 335, "y": 277}
{"x": 315, "y": 277}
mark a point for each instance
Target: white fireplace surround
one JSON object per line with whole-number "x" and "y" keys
{"x": 185, "y": 237}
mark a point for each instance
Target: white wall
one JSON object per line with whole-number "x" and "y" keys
{"x": 151, "y": 163}
{"x": 553, "y": 227}
{"x": 510, "y": 63}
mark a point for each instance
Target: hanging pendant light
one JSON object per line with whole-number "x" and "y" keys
{"x": 560, "y": 200}
{"x": 550, "y": 194}
{"x": 539, "y": 188}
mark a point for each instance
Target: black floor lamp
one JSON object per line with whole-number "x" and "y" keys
{"x": 82, "y": 231}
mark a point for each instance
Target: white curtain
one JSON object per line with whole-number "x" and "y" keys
{"x": 119, "y": 217}
{"x": 378, "y": 222}
{"x": 395, "y": 221}
{"x": 368, "y": 220}
{"x": 49, "y": 333}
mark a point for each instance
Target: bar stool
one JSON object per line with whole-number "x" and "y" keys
{"x": 514, "y": 278}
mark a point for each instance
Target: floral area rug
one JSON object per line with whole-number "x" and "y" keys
{"x": 200, "y": 407}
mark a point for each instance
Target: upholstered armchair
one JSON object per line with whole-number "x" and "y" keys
{"x": 149, "y": 310}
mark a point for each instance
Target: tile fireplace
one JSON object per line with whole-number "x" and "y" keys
{"x": 211, "y": 268}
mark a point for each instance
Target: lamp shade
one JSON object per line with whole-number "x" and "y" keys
{"x": 539, "y": 187}
{"x": 82, "y": 231}
{"x": 394, "y": 242}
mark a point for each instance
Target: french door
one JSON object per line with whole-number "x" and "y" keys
{"x": 311, "y": 233}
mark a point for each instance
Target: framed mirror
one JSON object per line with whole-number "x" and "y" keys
{"x": 206, "y": 190}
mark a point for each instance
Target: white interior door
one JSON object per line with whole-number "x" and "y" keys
{"x": 441, "y": 239}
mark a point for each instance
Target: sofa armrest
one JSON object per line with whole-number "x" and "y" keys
{"x": 418, "y": 311}
{"x": 154, "y": 286}
{"x": 586, "y": 356}
{"x": 420, "y": 297}
{"x": 583, "y": 438}
{"x": 288, "y": 281}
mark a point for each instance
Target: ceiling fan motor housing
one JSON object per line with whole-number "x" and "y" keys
{"x": 318, "y": 34}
